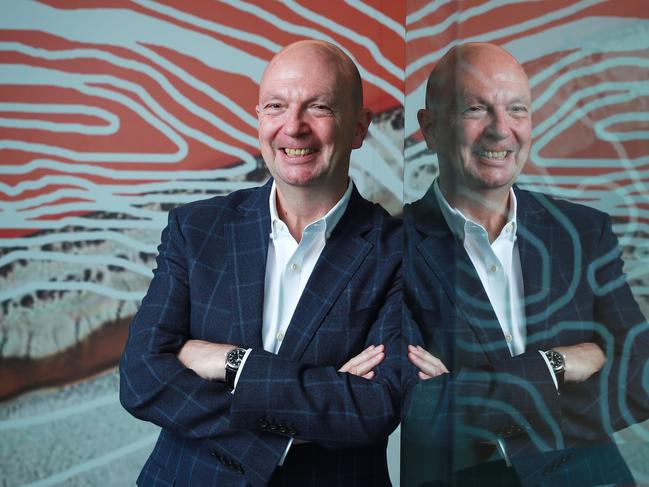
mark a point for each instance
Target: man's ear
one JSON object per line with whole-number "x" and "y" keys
{"x": 363, "y": 120}
{"x": 427, "y": 121}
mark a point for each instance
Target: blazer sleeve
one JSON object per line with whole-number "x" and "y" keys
{"x": 485, "y": 402}
{"x": 156, "y": 387}
{"x": 620, "y": 390}
{"x": 318, "y": 403}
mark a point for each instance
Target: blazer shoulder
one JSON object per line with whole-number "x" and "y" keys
{"x": 385, "y": 226}
{"x": 223, "y": 206}
{"x": 580, "y": 215}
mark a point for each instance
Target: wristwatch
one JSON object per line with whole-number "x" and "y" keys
{"x": 232, "y": 363}
{"x": 558, "y": 363}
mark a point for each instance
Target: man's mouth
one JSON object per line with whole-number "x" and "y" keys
{"x": 297, "y": 152}
{"x": 492, "y": 154}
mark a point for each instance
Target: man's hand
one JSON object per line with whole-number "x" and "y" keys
{"x": 205, "y": 358}
{"x": 582, "y": 361}
{"x": 429, "y": 366}
{"x": 363, "y": 363}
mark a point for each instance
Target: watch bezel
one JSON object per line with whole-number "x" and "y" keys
{"x": 556, "y": 360}
{"x": 234, "y": 357}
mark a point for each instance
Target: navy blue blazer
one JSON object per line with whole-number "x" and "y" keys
{"x": 575, "y": 291}
{"x": 209, "y": 285}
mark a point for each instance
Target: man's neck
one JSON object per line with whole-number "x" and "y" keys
{"x": 297, "y": 206}
{"x": 489, "y": 208}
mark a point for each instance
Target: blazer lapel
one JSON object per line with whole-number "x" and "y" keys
{"x": 548, "y": 263}
{"x": 451, "y": 264}
{"x": 247, "y": 242}
{"x": 532, "y": 235}
{"x": 343, "y": 253}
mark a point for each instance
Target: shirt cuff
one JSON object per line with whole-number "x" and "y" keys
{"x": 288, "y": 447}
{"x": 243, "y": 362}
{"x": 547, "y": 362}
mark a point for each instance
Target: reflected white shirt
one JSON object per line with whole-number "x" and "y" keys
{"x": 498, "y": 266}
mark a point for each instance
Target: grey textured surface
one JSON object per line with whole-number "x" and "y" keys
{"x": 78, "y": 435}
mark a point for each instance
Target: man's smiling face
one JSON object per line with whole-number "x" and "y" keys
{"x": 309, "y": 121}
{"x": 482, "y": 128}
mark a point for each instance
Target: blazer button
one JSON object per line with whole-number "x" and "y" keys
{"x": 263, "y": 423}
{"x": 291, "y": 431}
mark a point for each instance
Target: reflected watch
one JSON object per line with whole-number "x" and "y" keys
{"x": 558, "y": 363}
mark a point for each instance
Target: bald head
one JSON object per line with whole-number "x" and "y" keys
{"x": 478, "y": 120}
{"x": 467, "y": 59}
{"x": 314, "y": 51}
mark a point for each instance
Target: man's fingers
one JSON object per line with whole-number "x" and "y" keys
{"x": 364, "y": 361}
{"x": 356, "y": 359}
{"x": 429, "y": 366}
{"x": 367, "y": 365}
{"x": 422, "y": 355}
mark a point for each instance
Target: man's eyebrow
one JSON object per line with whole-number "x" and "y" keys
{"x": 521, "y": 99}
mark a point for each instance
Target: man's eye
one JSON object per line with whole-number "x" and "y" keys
{"x": 474, "y": 109}
{"x": 272, "y": 106}
{"x": 519, "y": 109}
{"x": 321, "y": 108}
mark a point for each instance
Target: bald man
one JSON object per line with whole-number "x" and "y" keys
{"x": 267, "y": 346}
{"x": 527, "y": 341}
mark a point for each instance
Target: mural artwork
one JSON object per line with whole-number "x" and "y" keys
{"x": 113, "y": 111}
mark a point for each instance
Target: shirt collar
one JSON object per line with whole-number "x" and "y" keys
{"x": 458, "y": 223}
{"x": 326, "y": 224}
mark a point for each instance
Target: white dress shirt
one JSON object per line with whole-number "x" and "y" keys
{"x": 289, "y": 265}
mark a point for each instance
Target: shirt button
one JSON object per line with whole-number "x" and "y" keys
{"x": 294, "y": 267}
{"x": 508, "y": 228}
{"x": 508, "y": 337}
{"x": 280, "y": 336}
{"x": 494, "y": 268}
{"x": 281, "y": 227}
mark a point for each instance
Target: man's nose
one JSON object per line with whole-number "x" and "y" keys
{"x": 498, "y": 127}
{"x": 295, "y": 123}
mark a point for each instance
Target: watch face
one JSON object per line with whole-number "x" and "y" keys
{"x": 556, "y": 359}
{"x": 234, "y": 357}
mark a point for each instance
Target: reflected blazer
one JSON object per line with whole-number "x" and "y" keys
{"x": 209, "y": 285}
{"x": 575, "y": 291}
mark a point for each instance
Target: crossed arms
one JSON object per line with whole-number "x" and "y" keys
{"x": 172, "y": 365}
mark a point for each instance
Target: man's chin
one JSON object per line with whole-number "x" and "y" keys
{"x": 299, "y": 180}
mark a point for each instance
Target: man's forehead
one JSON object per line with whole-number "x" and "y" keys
{"x": 477, "y": 79}
{"x": 290, "y": 86}
{"x": 315, "y": 79}
{"x": 299, "y": 77}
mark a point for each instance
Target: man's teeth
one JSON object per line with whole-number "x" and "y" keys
{"x": 493, "y": 154}
{"x": 298, "y": 152}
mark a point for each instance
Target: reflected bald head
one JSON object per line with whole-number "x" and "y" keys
{"x": 461, "y": 59}
{"x": 314, "y": 51}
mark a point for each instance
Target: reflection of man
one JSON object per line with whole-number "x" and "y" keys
{"x": 533, "y": 344}
{"x": 290, "y": 282}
